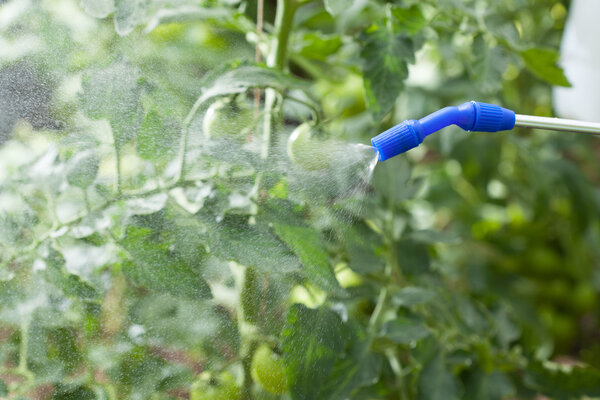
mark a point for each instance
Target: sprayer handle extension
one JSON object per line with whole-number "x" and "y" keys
{"x": 470, "y": 116}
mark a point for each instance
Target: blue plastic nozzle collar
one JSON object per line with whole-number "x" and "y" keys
{"x": 470, "y": 116}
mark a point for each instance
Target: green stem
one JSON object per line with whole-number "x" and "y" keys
{"x": 284, "y": 19}
{"x": 23, "y": 347}
{"x": 118, "y": 161}
{"x": 183, "y": 144}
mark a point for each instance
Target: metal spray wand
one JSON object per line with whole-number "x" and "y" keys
{"x": 472, "y": 116}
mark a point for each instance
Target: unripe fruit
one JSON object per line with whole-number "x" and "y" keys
{"x": 305, "y": 152}
{"x": 210, "y": 387}
{"x": 228, "y": 118}
{"x": 268, "y": 370}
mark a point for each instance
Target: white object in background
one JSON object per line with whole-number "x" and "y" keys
{"x": 580, "y": 59}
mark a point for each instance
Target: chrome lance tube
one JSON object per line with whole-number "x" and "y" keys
{"x": 557, "y": 124}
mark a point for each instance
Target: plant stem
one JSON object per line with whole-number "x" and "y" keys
{"x": 23, "y": 347}
{"x": 118, "y": 161}
{"x": 284, "y": 19}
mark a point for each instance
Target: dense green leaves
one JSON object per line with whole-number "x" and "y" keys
{"x": 456, "y": 270}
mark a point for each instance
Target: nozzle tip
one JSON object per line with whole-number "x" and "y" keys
{"x": 396, "y": 140}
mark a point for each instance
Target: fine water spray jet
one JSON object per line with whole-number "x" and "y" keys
{"x": 471, "y": 116}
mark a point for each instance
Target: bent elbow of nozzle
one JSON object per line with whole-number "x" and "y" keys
{"x": 470, "y": 116}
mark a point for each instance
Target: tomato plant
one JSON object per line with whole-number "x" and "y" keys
{"x": 178, "y": 219}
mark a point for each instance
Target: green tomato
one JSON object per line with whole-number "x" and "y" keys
{"x": 209, "y": 387}
{"x": 268, "y": 370}
{"x": 305, "y": 152}
{"x": 346, "y": 277}
{"x": 228, "y": 118}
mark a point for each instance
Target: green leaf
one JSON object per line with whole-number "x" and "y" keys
{"x": 410, "y": 296}
{"x": 413, "y": 257}
{"x": 385, "y": 55}
{"x": 318, "y": 46}
{"x": 98, "y": 8}
{"x": 306, "y": 243}
{"x": 405, "y": 331}
{"x": 73, "y": 392}
{"x": 82, "y": 168}
{"x": 337, "y": 7}
{"x": 436, "y": 382}
{"x": 113, "y": 93}
{"x": 543, "y": 63}
{"x": 242, "y": 78}
{"x": 563, "y": 382}
{"x": 70, "y": 284}
{"x": 355, "y": 368}
{"x": 492, "y": 386}
{"x": 251, "y": 245}
{"x": 503, "y": 29}
{"x": 187, "y": 13}
{"x": 312, "y": 341}
{"x": 148, "y": 141}
{"x": 3, "y": 388}
{"x": 129, "y": 14}
{"x": 409, "y": 19}
{"x": 488, "y": 66}
{"x": 155, "y": 266}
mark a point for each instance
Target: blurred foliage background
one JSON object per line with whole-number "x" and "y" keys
{"x": 126, "y": 272}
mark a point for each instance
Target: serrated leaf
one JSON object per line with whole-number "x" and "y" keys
{"x": 436, "y": 382}
{"x": 563, "y": 382}
{"x": 82, "y": 168}
{"x": 306, "y": 243}
{"x": 312, "y": 341}
{"x": 336, "y": 7}
{"x": 113, "y": 93}
{"x": 543, "y": 63}
{"x": 98, "y": 8}
{"x": 385, "y": 55}
{"x": 154, "y": 265}
{"x": 404, "y": 331}
{"x": 70, "y": 284}
{"x": 409, "y": 19}
{"x": 250, "y": 245}
{"x": 410, "y": 296}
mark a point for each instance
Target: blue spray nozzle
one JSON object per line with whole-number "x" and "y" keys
{"x": 470, "y": 116}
